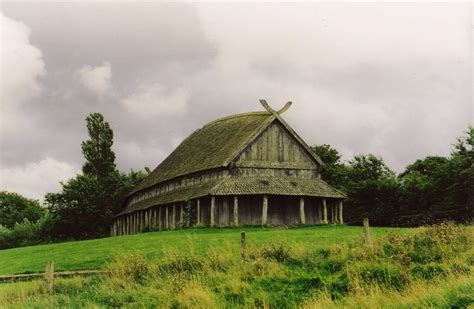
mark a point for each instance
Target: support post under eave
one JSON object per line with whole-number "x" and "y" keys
{"x": 325, "y": 212}
{"x": 167, "y": 218}
{"x": 198, "y": 219}
{"x": 302, "y": 215}
{"x": 236, "y": 211}
{"x": 341, "y": 219}
{"x": 173, "y": 219}
{"x": 181, "y": 215}
{"x": 160, "y": 217}
{"x": 264, "y": 210}
{"x": 213, "y": 211}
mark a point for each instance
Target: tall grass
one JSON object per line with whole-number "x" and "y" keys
{"x": 396, "y": 271}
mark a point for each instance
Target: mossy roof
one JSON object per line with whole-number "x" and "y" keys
{"x": 243, "y": 185}
{"x": 276, "y": 185}
{"x": 209, "y": 147}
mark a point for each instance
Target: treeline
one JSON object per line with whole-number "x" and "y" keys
{"x": 85, "y": 206}
{"x": 429, "y": 190}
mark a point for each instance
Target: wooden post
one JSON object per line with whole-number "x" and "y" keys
{"x": 341, "y": 220}
{"x": 320, "y": 213}
{"x": 332, "y": 213}
{"x": 167, "y": 218}
{"x": 198, "y": 219}
{"x": 302, "y": 215}
{"x": 49, "y": 277}
{"x": 146, "y": 220}
{"x": 325, "y": 212}
{"x": 213, "y": 211}
{"x": 366, "y": 232}
{"x": 264, "y": 210}
{"x": 129, "y": 229}
{"x": 160, "y": 217}
{"x": 243, "y": 249}
{"x": 173, "y": 219}
{"x": 181, "y": 215}
{"x": 236, "y": 211}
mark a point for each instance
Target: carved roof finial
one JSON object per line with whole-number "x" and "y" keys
{"x": 271, "y": 110}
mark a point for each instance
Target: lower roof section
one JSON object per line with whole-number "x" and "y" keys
{"x": 242, "y": 185}
{"x": 275, "y": 185}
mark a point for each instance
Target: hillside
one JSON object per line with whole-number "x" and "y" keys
{"x": 92, "y": 254}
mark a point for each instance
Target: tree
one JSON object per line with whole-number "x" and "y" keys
{"x": 371, "y": 187}
{"x": 14, "y": 208}
{"x": 100, "y": 159}
{"x": 334, "y": 170}
{"x": 87, "y": 203}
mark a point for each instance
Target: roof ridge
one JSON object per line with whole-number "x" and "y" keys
{"x": 235, "y": 116}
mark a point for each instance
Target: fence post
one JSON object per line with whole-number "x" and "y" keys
{"x": 366, "y": 232}
{"x": 243, "y": 249}
{"x": 49, "y": 277}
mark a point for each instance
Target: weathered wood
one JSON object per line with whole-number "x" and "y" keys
{"x": 236, "y": 210}
{"x": 167, "y": 218}
{"x": 366, "y": 232}
{"x": 265, "y": 210}
{"x": 49, "y": 277}
{"x": 160, "y": 218}
{"x": 173, "y": 218}
{"x": 332, "y": 213}
{"x": 146, "y": 224}
{"x": 341, "y": 219}
{"x": 302, "y": 214}
{"x": 198, "y": 219}
{"x": 320, "y": 213}
{"x": 181, "y": 215}
{"x": 243, "y": 247}
{"x": 213, "y": 211}
{"x": 325, "y": 212}
{"x": 26, "y": 277}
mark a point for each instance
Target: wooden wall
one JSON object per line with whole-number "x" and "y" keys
{"x": 276, "y": 147}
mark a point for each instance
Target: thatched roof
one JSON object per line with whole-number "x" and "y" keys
{"x": 243, "y": 185}
{"x": 215, "y": 145}
{"x": 276, "y": 185}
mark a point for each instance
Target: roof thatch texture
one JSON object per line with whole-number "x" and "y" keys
{"x": 275, "y": 185}
{"x": 210, "y": 147}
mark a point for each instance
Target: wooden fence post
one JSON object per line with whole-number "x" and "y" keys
{"x": 366, "y": 232}
{"x": 243, "y": 249}
{"x": 49, "y": 277}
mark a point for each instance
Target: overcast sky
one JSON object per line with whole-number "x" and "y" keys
{"x": 390, "y": 79}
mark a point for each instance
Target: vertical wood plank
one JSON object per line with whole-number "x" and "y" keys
{"x": 243, "y": 247}
{"x": 198, "y": 219}
{"x": 265, "y": 210}
{"x": 341, "y": 219}
{"x": 302, "y": 214}
{"x": 167, "y": 218}
{"x": 366, "y": 232}
{"x": 213, "y": 211}
{"x": 160, "y": 217}
{"x": 173, "y": 219}
{"x": 236, "y": 211}
{"x": 49, "y": 277}
{"x": 325, "y": 212}
{"x": 181, "y": 214}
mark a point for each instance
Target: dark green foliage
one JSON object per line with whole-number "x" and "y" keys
{"x": 100, "y": 159}
{"x": 86, "y": 206}
{"x": 87, "y": 203}
{"x": 334, "y": 171}
{"x": 430, "y": 190}
{"x": 14, "y": 208}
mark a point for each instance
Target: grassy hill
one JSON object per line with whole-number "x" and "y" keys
{"x": 92, "y": 254}
{"x": 310, "y": 267}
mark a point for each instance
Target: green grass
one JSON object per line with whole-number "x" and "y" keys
{"x": 312, "y": 267}
{"x": 93, "y": 254}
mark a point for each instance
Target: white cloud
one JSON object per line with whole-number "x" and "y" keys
{"x": 36, "y": 178}
{"x": 96, "y": 79}
{"x": 155, "y": 100}
{"x": 21, "y": 63}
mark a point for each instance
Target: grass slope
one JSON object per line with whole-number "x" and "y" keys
{"x": 92, "y": 254}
